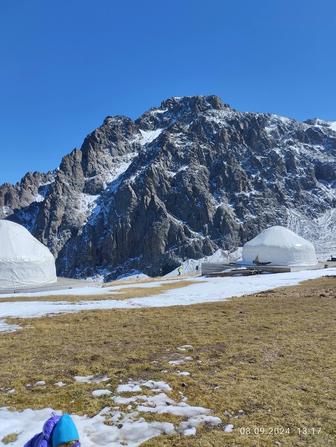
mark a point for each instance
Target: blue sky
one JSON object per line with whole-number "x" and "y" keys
{"x": 67, "y": 64}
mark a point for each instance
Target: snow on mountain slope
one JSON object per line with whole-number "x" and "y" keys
{"x": 147, "y": 136}
{"x": 321, "y": 230}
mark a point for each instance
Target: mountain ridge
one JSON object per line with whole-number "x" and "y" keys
{"x": 181, "y": 181}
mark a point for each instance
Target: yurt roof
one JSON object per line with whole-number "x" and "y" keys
{"x": 17, "y": 244}
{"x": 278, "y": 236}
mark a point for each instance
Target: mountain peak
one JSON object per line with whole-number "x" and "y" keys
{"x": 116, "y": 119}
{"x": 195, "y": 103}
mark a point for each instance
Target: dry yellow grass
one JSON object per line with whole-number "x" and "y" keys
{"x": 262, "y": 361}
{"x": 149, "y": 279}
{"x": 9, "y": 438}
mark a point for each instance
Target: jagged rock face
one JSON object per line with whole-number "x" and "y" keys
{"x": 181, "y": 181}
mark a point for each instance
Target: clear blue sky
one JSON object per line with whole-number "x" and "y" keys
{"x": 66, "y": 64}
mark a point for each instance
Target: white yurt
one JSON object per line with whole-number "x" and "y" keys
{"x": 279, "y": 246}
{"x": 24, "y": 261}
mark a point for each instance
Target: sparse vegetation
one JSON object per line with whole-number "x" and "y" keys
{"x": 260, "y": 362}
{"x": 9, "y": 438}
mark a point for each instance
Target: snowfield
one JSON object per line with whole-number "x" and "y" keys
{"x": 202, "y": 291}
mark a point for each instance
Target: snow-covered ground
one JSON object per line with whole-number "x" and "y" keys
{"x": 133, "y": 275}
{"x": 194, "y": 265}
{"x": 128, "y": 426}
{"x": 85, "y": 290}
{"x": 203, "y": 290}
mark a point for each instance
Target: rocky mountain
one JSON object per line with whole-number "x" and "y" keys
{"x": 181, "y": 181}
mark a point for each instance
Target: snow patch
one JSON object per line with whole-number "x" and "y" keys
{"x": 180, "y": 361}
{"x": 156, "y": 111}
{"x": 272, "y": 127}
{"x": 87, "y": 203}
{"x": 39, "y": 198}
{"x": 100, "y": 393}
{"x": 113, "y": 426}
{"x": 323, "y": 125}
{"x": 185, "y": 348}
{"x": 98, "y": 378}
{"x": 194, "y": 265}
{"x": 134, "y": 275}
{"x": 220, "y": 117}
{"x": 119, "y": 168}
{"x": 320, "y": 231}
{"x": 6, "y": 327}
{"x": 60, "y": 384}
{"x": 332, "y": 125}
{"x": 147, "y": 136}
{"x": 130, "y": 387}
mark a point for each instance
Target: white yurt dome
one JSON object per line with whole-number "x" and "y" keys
{"x": 24, "y": 261}
{"x": 279, "y": 246}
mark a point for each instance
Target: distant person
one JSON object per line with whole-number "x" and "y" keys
{"x": 58, "y": 431}
{"x": 256, "y": 260}
{"x": 180, "y": 270}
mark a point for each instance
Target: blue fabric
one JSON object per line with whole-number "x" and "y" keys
{"x": 65, "y": 431}
{"x": 36, "y": 441}
{"x": 44, "y": 439}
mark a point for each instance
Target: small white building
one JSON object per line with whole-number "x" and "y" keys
{"x": 279, "y": 246}
{"x": 24, "y": 261}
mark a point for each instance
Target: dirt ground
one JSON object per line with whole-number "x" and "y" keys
{"x": 265, "y": 363}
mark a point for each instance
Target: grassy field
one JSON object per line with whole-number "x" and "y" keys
{"x": 265, "y": 362}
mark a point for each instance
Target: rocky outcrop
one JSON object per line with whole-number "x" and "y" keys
{"x": 183, "y": 180}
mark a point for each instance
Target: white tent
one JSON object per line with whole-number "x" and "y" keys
{"x": 279, "y": 246}
{"x": 24, "y": 261}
